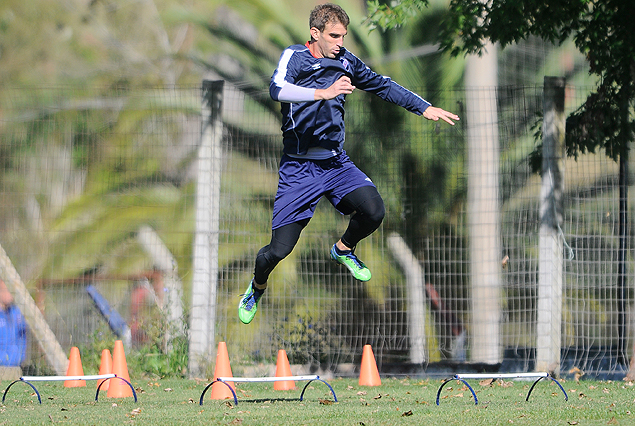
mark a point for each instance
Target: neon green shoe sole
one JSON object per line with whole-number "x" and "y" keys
{"x": 353, "y": 264}
{"x": 248, "y": 305}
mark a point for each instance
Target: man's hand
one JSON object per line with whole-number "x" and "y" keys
{"x": 342, "y": 86}
{"x": 434, "y": 114}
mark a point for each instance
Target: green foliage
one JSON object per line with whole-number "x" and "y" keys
{"x": 155, "y": 358}
{"x": 535, "y": 157}
{"x": 393, "y": 15}
{"x": 311, "y": 341}
{"x": 471, "y": 23}
{"x": 163, "y": 353}
{"x": 603, "y": 122}
{"x": 599, "y": 29}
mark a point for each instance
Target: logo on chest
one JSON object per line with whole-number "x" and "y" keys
{"x": 346, "y": 64}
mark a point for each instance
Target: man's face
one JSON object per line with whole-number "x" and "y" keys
{"x": 330, "y": 41}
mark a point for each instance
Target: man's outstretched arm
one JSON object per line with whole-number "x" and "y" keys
{"x": 435, "y": 113}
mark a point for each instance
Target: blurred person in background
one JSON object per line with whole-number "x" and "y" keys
{"x": 13, "y": 331}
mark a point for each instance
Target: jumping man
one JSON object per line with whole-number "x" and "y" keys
{"x": 311, "y": 83}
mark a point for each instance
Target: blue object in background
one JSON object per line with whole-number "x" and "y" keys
{"x": 115, "y": 321}
{"x": 13, "y": 337}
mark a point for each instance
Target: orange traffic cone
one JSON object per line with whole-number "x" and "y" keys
{"x": 222, "y": 369}
{"x": 368, "y": 373}
{"x": 75, "y": 369}
{"x": 283, "y": 369}
{"x": 118, "y": 388}
{"x": 105, "y": 368}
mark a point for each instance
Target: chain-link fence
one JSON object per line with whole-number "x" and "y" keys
{"x": 87, "y": 176}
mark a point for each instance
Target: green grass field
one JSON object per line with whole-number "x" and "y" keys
{"x": 395, "y": 402}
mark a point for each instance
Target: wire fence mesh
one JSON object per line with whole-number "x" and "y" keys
{"x": 83, "y": 171}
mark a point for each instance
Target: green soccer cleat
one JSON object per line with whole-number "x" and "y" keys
{"x": 248, "y": 305}
{"x": 354, "y": 265}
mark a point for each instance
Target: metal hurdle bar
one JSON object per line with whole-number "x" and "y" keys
{"x": 464, "y": 377}
{"x": 29, "y": 379}
{"x": 225, "y": 381}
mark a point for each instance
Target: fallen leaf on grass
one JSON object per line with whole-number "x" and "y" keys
{"x": 577, "y": 373}
{"x": 236, "y": 422}
{"x": 377, "y": 397}
{"x": 486, "y": 382}
{"x": 407, "y": 413}
{"x": 325, "y": 402}
{"x": 613, "y": 421}
{"x": 572, "y": 423}
{"x": 362, "y": 393}
{"x": 135, "y": 412}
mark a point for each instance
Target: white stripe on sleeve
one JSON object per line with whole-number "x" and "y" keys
{"x": 290, "y": 92}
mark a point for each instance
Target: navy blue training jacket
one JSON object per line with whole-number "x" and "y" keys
{"x": 321, "y": 123}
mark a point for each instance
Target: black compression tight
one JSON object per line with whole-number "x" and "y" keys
{"x": 369, "y": 213}
{"x": 364, "y": 202}
{"x": 283, "y": 240}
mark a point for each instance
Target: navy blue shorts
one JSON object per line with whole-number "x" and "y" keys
{"x": 301, "y": 184}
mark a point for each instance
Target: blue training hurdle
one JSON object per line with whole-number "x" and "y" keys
{"x": 29, "y": 379}
{"x": 227, "y": 380}
{"x": 463, "y": 378}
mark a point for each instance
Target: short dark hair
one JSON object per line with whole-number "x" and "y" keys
{"x": 327, "y": 13}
